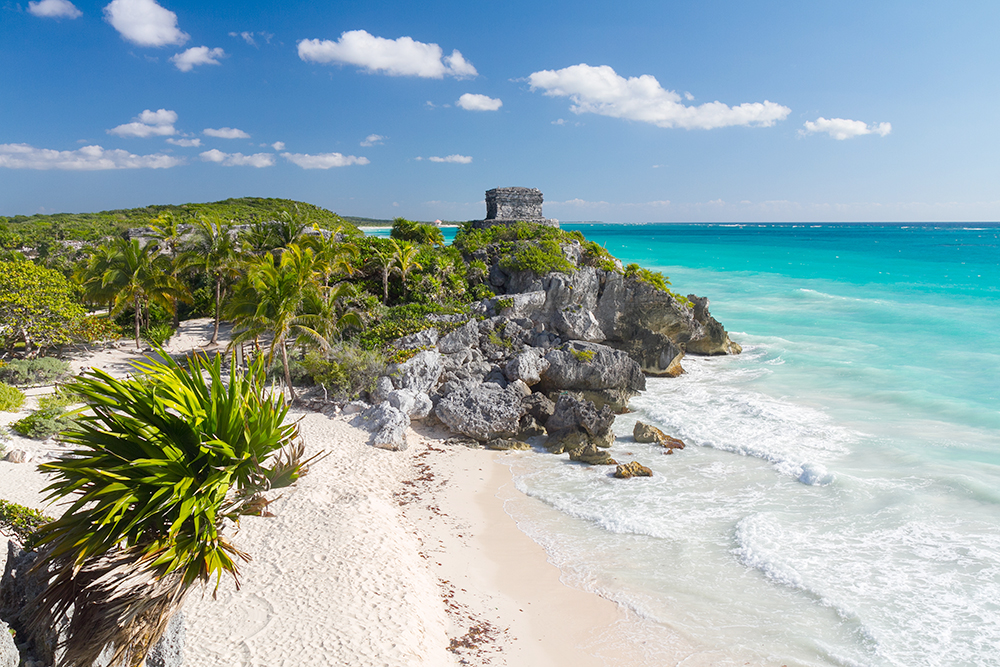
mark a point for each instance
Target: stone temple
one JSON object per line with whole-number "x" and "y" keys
{"x": 505, "y": 206}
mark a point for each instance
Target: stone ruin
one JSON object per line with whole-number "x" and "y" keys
{"x": 505, "y": 206}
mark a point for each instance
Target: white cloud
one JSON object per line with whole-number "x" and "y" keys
{"x": 323, "y": 160}
{"x": 238, "y": 159}
{"x": 278, "y": 145}
{"x": 456, "y": 159}
{"x": 197, "y": 55}
{"x": 226, "y": 133}
{"x": 54, "y": 9}
{"x": 841, "y": 128}
{"x": 601, "y": 91}
{"x": 159, "y": 123}
{"x": 247, "y": 37}
{"x": 395, "y": 57}
{"x": 186, "y": 143}
{"x": 373, "y": 140}
{"x": 88, "y": 158}
{"x": 144, "y": 22}
{"x": 476, "y": 102}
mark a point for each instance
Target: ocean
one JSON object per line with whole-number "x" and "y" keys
{"x": 838, "y": 502}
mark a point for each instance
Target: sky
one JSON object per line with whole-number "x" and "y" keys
{"x": 707, "y": 111}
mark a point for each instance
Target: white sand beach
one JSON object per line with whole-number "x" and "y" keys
{"x": 374, "y": 558}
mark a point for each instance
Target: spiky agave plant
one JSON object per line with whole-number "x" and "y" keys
{"x": 163, "y": 461}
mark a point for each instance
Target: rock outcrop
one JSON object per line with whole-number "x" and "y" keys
{"x": 633, "y": 469}
{"x": 387, "y": 425}
{"x": 646, "y": 433}
{"x": 482, "y": 411}
{"x": 9, "y": 655}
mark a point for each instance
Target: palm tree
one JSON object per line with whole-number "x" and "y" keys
{"x": 404, "y": 259}
{"x": 161, "y": 465}
{"x": 327, "y": 311}
{"x": 167, "y": 232}
{"x": 272, "y": 297}
{"x": 336, "y": 258}
{"x": 382, "y": 260}
{"x": 136, "y": 275}
{"x": 212, "y": 249}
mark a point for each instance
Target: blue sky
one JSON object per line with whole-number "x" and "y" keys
{"x": 642, "y": 111}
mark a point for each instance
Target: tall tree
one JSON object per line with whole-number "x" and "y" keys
{"x": 404, "y": 260}
{"x": 278, "y": 294}
{"x": 36, "y": 305}
{"x": 213, "y": 249}
{"x": 167, "y": 230}
{"x": 138, "y": 275}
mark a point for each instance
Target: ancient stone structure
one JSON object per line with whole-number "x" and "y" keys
{"x": 505, "y": 206}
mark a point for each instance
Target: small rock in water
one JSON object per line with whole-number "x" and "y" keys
{"x": 646, "y": 433}
{"x": 633, "y": 469}
{"x": 506, "y": 443}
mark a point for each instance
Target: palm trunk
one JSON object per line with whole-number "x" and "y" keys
{"x": 138, "y": 315}
{"x": 218, "y": 305}
{"x": 385, "y": 287}
{"x": 288, "y": 375}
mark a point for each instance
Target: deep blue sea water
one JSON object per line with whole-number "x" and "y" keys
{"x": 839, "y": 499}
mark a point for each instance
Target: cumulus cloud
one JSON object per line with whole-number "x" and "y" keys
{"x": 186, "y": 143}
{"x": 197, "y": 55}
{"x": 395, "y": 57}
{"x": 88, "y": 158}
{"x": 456, "y": 159}
{"x": 54, "y": 9}
{"x": 602, "y": 91}
{"x": 159, "y": 123}
{"x": 238, "y": 159}
{"x": 225, "y": 133}
{"x": 476, "y": 102}
{"x": 144, "y": 22}
{"x": 278, "y": 145}
{"x": 323, "y": 160}
{"x": 373, "y": 140}
{"x": 842, "y": 128}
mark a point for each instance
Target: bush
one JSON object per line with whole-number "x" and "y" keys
{"x": 34, "y": 372}
{"x": 539, "y": 257}
{"x": 20, "y": 521}
{"x": 403, "y": 320}
{"x": 345, "y": 371}
{"x": 42, "y": 424}
{"x": 95, "y": 329}
{"x": 416, "y": 232}
{"x": 11, "y": 398}
{"x": 158, "y": 334}
{"x": 60, "y": 400}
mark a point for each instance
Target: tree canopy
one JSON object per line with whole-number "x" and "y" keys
{"x": 37, "y": 305}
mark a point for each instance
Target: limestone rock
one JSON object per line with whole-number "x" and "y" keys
{"x": 573, "y": 413}
{"x": 355, "y": 407}
{"x": 9, "y": 655}
{"x": 421, "y": 339}
{"x": 591, "y": 455}
{"x": 482, "y": 411}
{"x": 566, "y": 440}
{"x": 460, "y": 339}
{"x": 633, "y": 469}
{"x": 383, "y": 387}
{"x": 646, "y": 433}
{"x": 421, "y": 373}
{"x": 581, "y": 365}
{"x": 527, "y": 366}
{"x": 538, "y": 406}
{"x": 169, "y": 651}
{"x": 506, "y": 444}
{"x": 529, "y": 427}
{"x": 386, "y": 424}
{"x": 414, "y": 404}
{"x": 714, "y": 339}
{"x": 655, "y": 353}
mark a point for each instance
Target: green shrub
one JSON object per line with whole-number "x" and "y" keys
{"x": 158, "y": 334}
{"x": 416, "y": 232}
{"x": 61, "y": 399}
{"x": 33, "y": 372}
{"x": 505, "y": 302}
{"x": 652, "y": 278}
{"x": 539, "y": 257}
{"x": 42, "y": 424}
{"x": 20, "y": 521}
{"x": 583, "y": 356}
{"x": 345, "y": 370}
{"x": 480, "y": 292}
{"x": 11, "y": 398}
{"x": 394, "y": 322}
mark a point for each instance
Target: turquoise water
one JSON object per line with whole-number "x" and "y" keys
{"x": 839, "y": 500}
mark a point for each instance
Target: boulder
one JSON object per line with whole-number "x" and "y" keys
{"x": 383, "y": 387}
{"x": 421, "y": 373}
{"x": 529, "y": 427}
{"x": 633, "y": 469}
{"x": 9, "y": 655}
{"x": 460, "y": 339}
{"x": 386, "y": 424}
{"x": 482, "y": 411}
{"x": 421, "y": 339}
{"x": 572, "y": 413}
{"x": 713, "y": 338}
{"x": 538, "y": 406}
{"x": 402, "y": 399}
{"x": 646, "y": 433}
{"x": 503, "y": 444}
{"x": 355, "y": 407}
{"x": 581, "y": 365}
{"x": 591, "y": 455}
{"x": 566, "y": 440}
{"x": 527, "y": 366}
{"x": 655, "y": 353}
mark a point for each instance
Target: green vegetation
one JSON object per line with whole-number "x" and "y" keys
{"x": 161, "y": 465}
{"x": 583, "y": 356}
{"x": 397, "y": 321}
{"x": 34, "y": 372}
{"x": 43, "y": 424}
{"x": 344, "y": 371}
{"x": 539, "y": 257}
{"x": 36, "y": 306}
{"x": 11, "y": 398}
{"x": 20, "y": 522}
{"x": 416, "y": 232}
